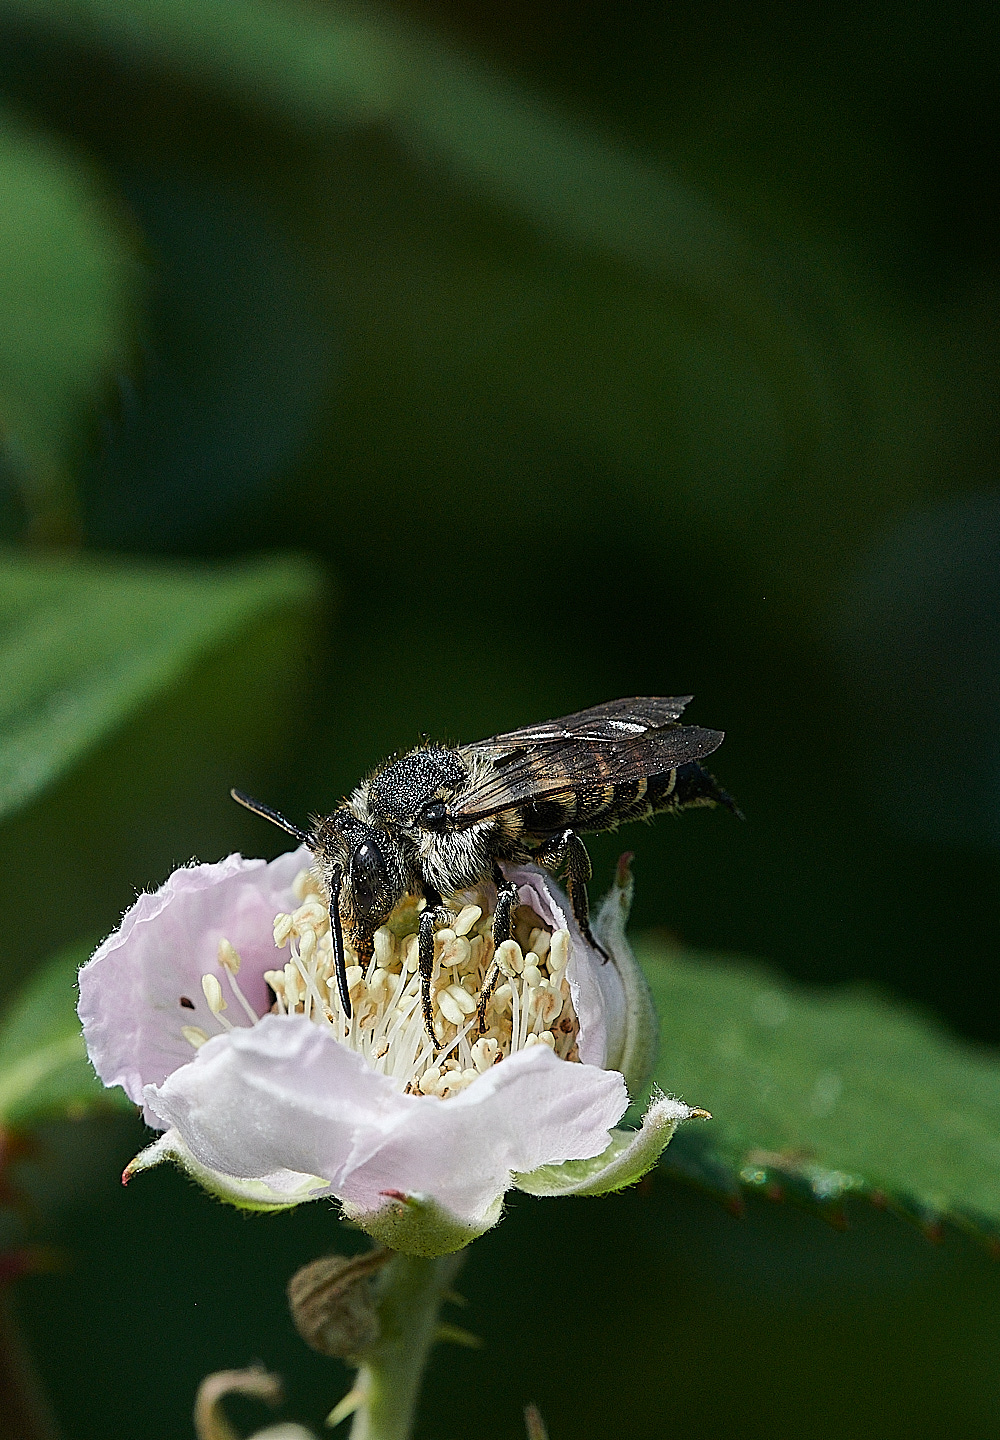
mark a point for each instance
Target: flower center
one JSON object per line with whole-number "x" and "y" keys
{"x": 520, "y": 987}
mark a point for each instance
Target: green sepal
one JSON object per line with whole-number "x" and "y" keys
{"x": 631, "y": 1154}
{"x": 415, "y": 1224}
{"x": 244, "y": 1194}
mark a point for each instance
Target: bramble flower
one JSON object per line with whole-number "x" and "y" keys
{"x": 215, "y": 1007}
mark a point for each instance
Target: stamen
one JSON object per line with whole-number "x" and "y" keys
{"x": 216, "y": 1001}
{"x": 539, "y": 941}
{"x": 466, "y": 918}
{"x": 276, "y": 980}
{"x": 486, "y": 1004}
{"x": 194, "y": 1035}
{"x": 456, "y": 1003}
{"x": 531, "y": 974}
{"x": 509, "y": 958}
{"x": 230, "y": 961}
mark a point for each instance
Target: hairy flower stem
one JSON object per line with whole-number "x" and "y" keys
{"x": 410, "y": 1291}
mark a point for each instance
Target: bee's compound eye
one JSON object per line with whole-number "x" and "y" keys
{"x": 434, "y": 815}
{"x": 369, "y": 878}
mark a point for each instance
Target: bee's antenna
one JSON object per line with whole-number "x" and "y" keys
{"x": 337, "y": 930}
{"x": 266, "y": 813}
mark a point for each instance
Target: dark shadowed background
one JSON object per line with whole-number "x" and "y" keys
{"x": 600, "y": 350}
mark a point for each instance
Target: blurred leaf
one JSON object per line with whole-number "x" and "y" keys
{"x": 44, "y": 1070}
{"x": 820, "y": 1094}
{"x": 85, "y": 644}
{"x": 728, "y": 382}
{"x": 324, "y": 65}
{"x": 67, "y": 285}
{"x": 241, "y": 356}
{"x": 320, "y": 63}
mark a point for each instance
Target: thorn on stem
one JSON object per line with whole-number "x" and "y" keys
{"x": 346, "y": 1407}
{"x": 446, "y": 1334}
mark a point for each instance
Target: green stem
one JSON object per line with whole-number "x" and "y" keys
{"x": 409, "y": 1296}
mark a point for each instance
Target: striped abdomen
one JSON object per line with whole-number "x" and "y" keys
{"x": 603, "y": 807}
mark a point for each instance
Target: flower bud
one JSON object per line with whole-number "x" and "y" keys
{"x": 333, "y": 1305}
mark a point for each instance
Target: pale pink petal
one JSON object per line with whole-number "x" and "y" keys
{"x": 286, "y": 1096}
{"x": 595, "y": 986}
{"x": 130, "y": 991}
{"x": 532, "y": 1109}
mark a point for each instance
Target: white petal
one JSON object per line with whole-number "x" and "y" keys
{"x": 595, "y": 985}
{"x": 130, "y": 991}
{"x": 286, "y": 1096}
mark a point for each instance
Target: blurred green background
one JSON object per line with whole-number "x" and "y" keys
{"x": 563, "y": 352}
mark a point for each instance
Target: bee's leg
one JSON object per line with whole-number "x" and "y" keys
{"x": 363, "y": 945}
{"x": 430, "y": 916}
{"x": 489, "y": 985}
{"x": 503, "y": 915}
{"x": 337, "y": 935}
{"x": 567, "y": 846}
{"x": 503, "y": 929}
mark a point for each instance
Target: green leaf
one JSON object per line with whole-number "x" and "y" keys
{"x": 67, "y": 306}
{"x": 44, "y": 1070}
{"x": 606, "y": 298}
{"x": 324, "y": 66}
{"x": 818, "y": 1094}
{"x": 86, "y": 643}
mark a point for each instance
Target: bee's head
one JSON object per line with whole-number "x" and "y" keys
{"x": 362, "y": 863}
{"x": 376, "y": 879}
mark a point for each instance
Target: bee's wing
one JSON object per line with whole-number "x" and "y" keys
{"x": 619, "y": 741}
{"x": 614, "y": 720}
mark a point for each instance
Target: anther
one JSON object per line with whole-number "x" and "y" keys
{"x": 194, "y": 1035}
{"x": 462, "y": 998}
{"x": 304, "y": 884}
{"x": 449, "y": 1006}
{"x": 456, "y": 952}
{"x": 466, "y": 918}
{"x": 559, "y": 951}
{"x": 230, "y": 961}
{"x": 545, "y": 1038}
{"x": 539, "y": 941}
{"x": 484, "y": 1053}
{"x": 213, "y": 993}
{"x": 229, "y": 957}
{"x": 294, "y": 988}
{"x": 509, "y": 957}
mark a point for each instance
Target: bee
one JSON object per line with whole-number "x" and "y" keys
{"x": 442, "y": 819}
